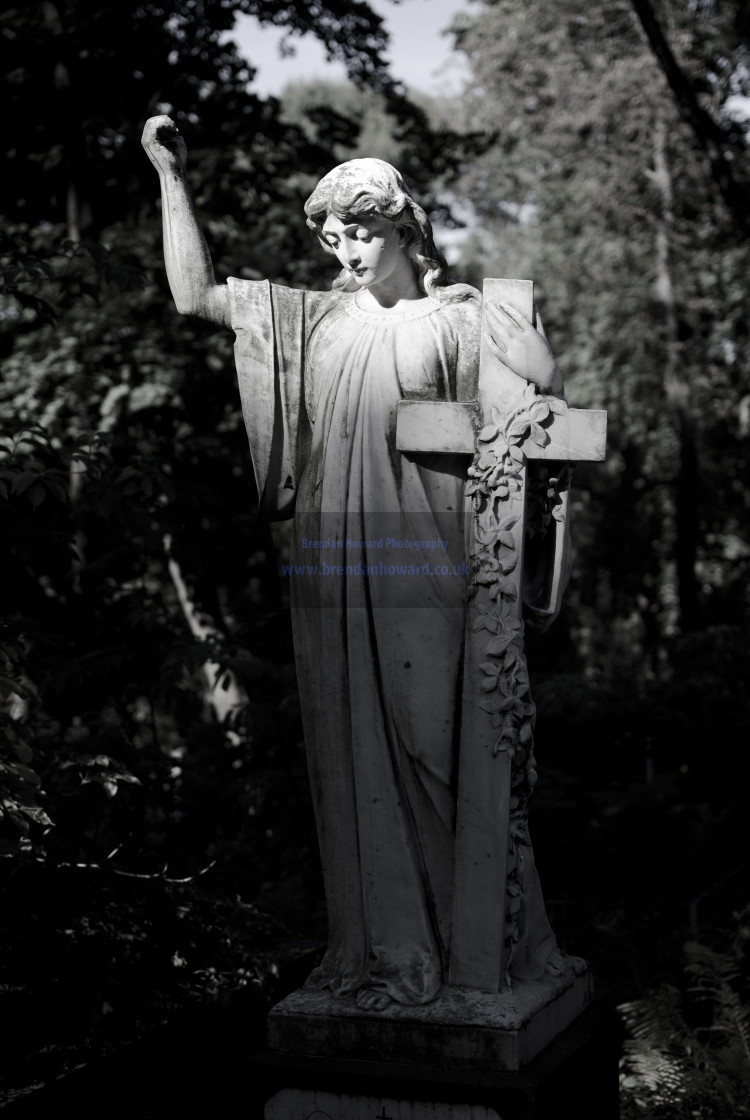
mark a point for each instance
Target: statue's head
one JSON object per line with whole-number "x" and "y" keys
{"x": 372, "y": 186}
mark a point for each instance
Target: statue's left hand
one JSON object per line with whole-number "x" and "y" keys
{"x": 522, "y": 348}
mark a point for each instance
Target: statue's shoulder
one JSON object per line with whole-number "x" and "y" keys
{"x": 320, "y": 303}
{"x": 252, "y": 300}
{"x": 454, "y": 292}
{"x": 249, "y": 302}
{"x": 461, "y": 304}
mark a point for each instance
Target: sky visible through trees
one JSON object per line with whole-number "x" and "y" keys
{"x": 419, "y": 52}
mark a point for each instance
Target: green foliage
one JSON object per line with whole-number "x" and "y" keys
{"x": 144, "y": 841}
{"x": 688, "y": 1051}
{"x": 140, "y": 836}
{"x": 593, "y": 187}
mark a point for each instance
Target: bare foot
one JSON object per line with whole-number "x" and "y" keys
{"x": 369, "y": 999}
{"x": 557, "y": 963}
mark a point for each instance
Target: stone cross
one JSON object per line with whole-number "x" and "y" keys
{"x": 509, "y": 423}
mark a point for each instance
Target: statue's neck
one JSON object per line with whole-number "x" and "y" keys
{"x": 392, "y": 293}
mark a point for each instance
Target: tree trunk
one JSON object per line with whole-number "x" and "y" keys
{"x": 677, "y": 397}
{"x": 710, "y": 136}
{"x": 223, "y": 693}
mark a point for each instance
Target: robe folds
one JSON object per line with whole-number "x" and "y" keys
{"x": 378, "y": 592}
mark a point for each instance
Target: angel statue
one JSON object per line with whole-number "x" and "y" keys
{"x": 378, "y": 624}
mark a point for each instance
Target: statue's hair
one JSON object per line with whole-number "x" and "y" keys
{"x": 372, "y": 186}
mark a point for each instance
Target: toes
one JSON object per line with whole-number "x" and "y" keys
{"x": 369, "y": 1000}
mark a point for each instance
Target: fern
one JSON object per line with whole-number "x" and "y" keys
{"x": 688, "y": 1051}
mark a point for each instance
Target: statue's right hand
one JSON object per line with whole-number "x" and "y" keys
{"x": 164, "y": 145}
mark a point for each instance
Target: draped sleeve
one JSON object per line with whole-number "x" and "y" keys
{"x": 547, "y": 562}
{"x": 270, "y": 329}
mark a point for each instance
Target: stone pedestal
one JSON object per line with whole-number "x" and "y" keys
{"x": 463, "y": 1028}
{"x": 575, "y": 1074}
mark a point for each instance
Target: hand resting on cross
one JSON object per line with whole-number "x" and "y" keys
{"x": 523, "y": 349}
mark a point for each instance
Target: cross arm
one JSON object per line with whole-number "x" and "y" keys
{"x": 577, "y": 434}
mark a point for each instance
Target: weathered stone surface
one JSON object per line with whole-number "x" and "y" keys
{"x": 423, "y": 845}
{"x": 300, "y": 1104}
{"x": 463, "y": 1027}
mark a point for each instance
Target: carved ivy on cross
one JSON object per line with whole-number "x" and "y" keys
{"x": 496, "y": 489}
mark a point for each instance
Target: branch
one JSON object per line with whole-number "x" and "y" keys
{"x": 710, "y": 136}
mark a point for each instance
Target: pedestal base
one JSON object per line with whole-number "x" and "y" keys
{"x": 577, "y": 1074}
{"x": 462, "y": 1028}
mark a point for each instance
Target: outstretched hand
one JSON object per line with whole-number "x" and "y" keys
{"x": 522, "y": 348}
{"x": 164, "y": 145}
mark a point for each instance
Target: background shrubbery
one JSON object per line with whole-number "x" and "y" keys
{"x": 158, "y": 848}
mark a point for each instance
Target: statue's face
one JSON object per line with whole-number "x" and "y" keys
{"x": 369, "y": 246}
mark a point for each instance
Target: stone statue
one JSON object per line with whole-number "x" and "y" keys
{"x": 387, "y": 564}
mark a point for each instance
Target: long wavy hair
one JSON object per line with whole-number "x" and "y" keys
{"x": 372, "y": 186}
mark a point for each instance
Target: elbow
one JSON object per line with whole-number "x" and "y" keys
{"x": 190, "y": 303}
{"x": 209, "y": 303}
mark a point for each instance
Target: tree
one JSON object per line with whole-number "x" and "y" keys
{"x": 593, "y": 187}
{"x": 716, "y": 45}
{"x": 120, "y": 433}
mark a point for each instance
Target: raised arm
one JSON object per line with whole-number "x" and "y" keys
{"x": 189, "y": 268}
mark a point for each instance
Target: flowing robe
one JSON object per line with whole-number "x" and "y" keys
{"x": 378, "y": 651}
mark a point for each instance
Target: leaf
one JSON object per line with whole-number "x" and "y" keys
{"x": 499, "y": 645}
{"x": 489, "y": 684}
{"x": 517, "y": 454}
{"x": 538, "y": 435}
{"x": 23, "y": 752}
{"x": 557, "y": 406}
{"x": 489, "y": 668}
{"x": 485, "y": 579}
{"x": 507, "y": 539}
{"x": 56, "y": 487}
{"x": 517, "y": 430}
{"x": 7, "y": 688}
{"x": 36, "y": 494}
{"x": 501, "y": 704}
{"x": 495, "y": 706}
{"x": 24, "y": 481}
{"x": 539, "y": 411}
{"x": 126, "y": 474}
{"x": 25, "y": 772}
{"x": 488, "y": 432}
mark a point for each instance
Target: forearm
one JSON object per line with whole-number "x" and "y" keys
{"x": 189, "y": 268}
